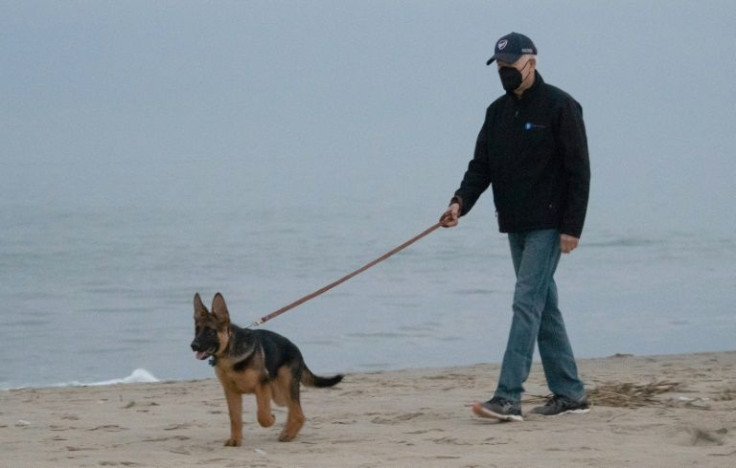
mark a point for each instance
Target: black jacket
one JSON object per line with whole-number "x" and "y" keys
{"x": 534, "y": 152}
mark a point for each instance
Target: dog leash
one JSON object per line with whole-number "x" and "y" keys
{"x": 360, "y": 270}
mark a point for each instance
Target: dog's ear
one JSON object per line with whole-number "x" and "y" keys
{"x": 200, "y": 311}
{"x": 219, "y": 310}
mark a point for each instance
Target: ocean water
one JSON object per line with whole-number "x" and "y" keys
{"x": 95, "y": 294}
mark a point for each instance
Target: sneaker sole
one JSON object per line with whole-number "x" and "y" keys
{"x": 575, "y": 411}
{"x": 484, "y": 412}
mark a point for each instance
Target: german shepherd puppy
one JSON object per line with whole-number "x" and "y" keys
{"x": 253, "y": 361}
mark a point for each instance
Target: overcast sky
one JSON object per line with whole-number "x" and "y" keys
{"x": 169, "y": 102}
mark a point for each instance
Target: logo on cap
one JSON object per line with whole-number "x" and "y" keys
{"x": 502, "y": 44}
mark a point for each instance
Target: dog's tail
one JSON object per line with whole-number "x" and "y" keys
{"x": 311, "y": 380}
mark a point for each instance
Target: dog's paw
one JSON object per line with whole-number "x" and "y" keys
{"x": 233, "y": 442}
{"x": 286, "y": 436}
{"x": 266, "y": 421}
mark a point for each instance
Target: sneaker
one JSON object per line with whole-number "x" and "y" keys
{"x": 559, "y": 404}
{"x": 498, "y": 408}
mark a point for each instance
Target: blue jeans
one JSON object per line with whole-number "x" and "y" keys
{"x": 537, "y": 319}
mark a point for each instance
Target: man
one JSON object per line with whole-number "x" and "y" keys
{"x": 532, "y": 150}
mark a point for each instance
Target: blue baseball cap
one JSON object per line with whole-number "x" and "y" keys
{"x": 511, "y": 47}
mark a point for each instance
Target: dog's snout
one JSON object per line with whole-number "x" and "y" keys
{"x": 195, "y": 345}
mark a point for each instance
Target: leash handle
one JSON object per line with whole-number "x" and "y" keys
{"x": 360, "y": 270}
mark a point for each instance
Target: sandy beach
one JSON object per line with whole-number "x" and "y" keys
{"x": 650, "y": 411}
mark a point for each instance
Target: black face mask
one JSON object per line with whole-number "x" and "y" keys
{"x": 511, "y": 78}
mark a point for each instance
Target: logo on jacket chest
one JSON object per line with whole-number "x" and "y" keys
{"x": 532, "y": 126}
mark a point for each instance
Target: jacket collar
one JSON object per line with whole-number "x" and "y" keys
{"x": 531, "y": 92}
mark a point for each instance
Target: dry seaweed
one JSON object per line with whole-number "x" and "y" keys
{"x": 621, "y": 395}
{"x": 630, "y": 395}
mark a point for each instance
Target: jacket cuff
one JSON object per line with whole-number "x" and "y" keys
{"x": 459, "y": 200}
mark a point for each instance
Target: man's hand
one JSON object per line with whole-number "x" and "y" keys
{"x": 450, "y": 217}
{"x": 568, "y": 243}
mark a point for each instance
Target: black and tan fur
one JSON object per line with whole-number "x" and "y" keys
{"x": 253, "y": 361}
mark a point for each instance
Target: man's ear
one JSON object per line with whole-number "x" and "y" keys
{"x": 200, "y": 311}
{"x": 219, "y": 310}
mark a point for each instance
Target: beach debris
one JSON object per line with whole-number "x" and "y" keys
{"x": 630, "y": 395}
{"x": 697, "y": 403}
{"x": 22, "y": 423}
{"x": 260, "y": 452}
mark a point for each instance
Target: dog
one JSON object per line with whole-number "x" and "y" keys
{"x": 253, "y": 361}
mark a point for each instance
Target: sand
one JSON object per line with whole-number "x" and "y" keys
{"x": 391, "y": 419}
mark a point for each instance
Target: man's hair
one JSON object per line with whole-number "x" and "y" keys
{"x": 531, "y": 56}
